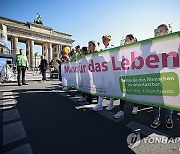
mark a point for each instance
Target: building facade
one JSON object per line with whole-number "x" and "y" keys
{"x": 52, "y": 42}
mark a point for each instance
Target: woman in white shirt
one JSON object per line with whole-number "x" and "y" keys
{"x": 106, "y": 41}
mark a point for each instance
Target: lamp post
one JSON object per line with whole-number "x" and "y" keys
{"x": 36, "y": 59}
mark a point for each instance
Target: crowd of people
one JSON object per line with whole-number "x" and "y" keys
{"x": 93, "y": 46}
{"x": 86, "y": 98}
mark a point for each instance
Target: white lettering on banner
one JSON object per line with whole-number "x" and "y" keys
{"x": 145, "y": 72}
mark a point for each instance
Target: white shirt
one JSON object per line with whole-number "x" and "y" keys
{"x": 109, "y": 47}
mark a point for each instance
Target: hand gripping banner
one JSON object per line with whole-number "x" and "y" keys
{"x": 145, "y": 72}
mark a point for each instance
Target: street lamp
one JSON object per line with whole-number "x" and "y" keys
{"x": 36, "y": 59}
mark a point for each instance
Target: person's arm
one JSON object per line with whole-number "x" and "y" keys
{"x": 58, "y": 61}
{"x": 68, "y": 59}
{"x": 15, "y": 61}
{"x": 46, "y": 64}
{"x": 39, "y": 66}
{"x": 27, "y": 63}
{"x": 15, "y": 64}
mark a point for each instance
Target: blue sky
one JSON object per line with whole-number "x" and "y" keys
{"x": 89, "y": 19}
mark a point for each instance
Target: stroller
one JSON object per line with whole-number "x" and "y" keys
{"x": 7, "y": 74}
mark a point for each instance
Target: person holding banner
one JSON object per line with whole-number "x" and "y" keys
{"x": 92, "y": 47}
{"x": 162, "y": 30}
{"x": 84, "y": 51}
{"x": 106, "y": 41}
{"x": 129, "y": 39}
{"x": 82, "y": 99}
{"x": 77, "y": 54}
{"x": 63, "y": 58}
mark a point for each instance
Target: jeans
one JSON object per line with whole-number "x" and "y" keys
{"x": 156, "y": 112}
{"x": 19, "y": 70}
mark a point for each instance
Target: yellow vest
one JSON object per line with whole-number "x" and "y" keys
{"x": 21, "y": 60}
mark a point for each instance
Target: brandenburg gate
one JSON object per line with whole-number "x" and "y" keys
{"x": 31, "y": 34}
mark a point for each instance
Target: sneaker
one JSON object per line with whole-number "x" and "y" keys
{"x": 66, "y": 89}
{"x": 134, "y": 110}
{"x": 155, "y": 123}
{"x": 119, "y": 114}
{"x": 178, "y": 114}
{"x": 83, "y": 103}
{"x": 24, "y": 84}
{"x": 169, "y": 122}
{"x": 97, "y": 108}
{"x": 109, "y": 107}
{"x": 82, "y": 99}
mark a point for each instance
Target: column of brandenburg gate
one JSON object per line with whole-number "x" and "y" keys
{"x": 52, "y": 42}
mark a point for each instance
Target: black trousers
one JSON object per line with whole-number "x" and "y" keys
{"x": 84, "y": 94}
{"x": 122, "y": 104}
{"x": 89, "y": 98}
{"x": 43, "y": 74}
{"x": 60, "y": 77}
{"x": 19, "y": 70}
